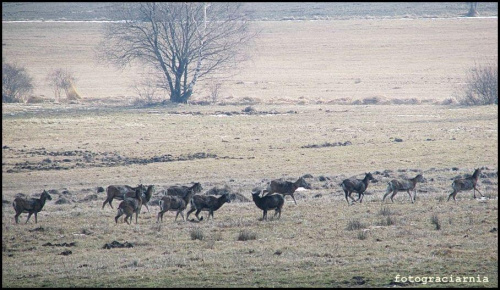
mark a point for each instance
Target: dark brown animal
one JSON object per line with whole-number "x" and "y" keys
{"x": 119, "y": 191}
{"x": 174, "y": 203}
{"x": 146, "y": 196}
{"x": 131, "y": 205}
{"x": 268, "y": 202}
{"x": 181, "y": 191}
{"x": 30, "y": 205}
{"x": 468, "y": 183}
{"x": 396, "y": 185}
{"x": 286, "y": 187}
{"x": 356, "y": 185}
{"x": 207, "y": 203}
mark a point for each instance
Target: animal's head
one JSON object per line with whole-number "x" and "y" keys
{"x": 225, "y": 198}
{"x": 420, "y": 178}
{"x": 255, "y": 193}
{"x": 139, "y": 190}
{"x": 46, "y": 195}
{"x": 197, "y": 187}
{"x": 369, "y": 176}
{"x": 303, "y": 183}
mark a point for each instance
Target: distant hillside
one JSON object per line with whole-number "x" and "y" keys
{"x": 17, "y": 11}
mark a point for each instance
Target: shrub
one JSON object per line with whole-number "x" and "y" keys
{"x": 245, "y": 235}
{"x": 197, "y": 234}
{"x": 149, "y": 90}
{"x": 17, "y": 85}
{"x": 388, "y": 221}
{"x": 385, "y": 211}
{"x": 362, "y": 235}
{"x": 61, "y": 79}
{"x": 481, "y": 86}
{"x": 215, "y": 88}
{"x": 355, "y": 225}
{"x": 435, "y": 221}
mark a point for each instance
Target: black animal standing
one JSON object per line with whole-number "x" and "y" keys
{"x": 268, "y": 202}
{"x": 30, "y": 205}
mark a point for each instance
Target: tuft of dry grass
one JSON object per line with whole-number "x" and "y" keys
{"x": 197, "y": 234}
{"x": 246, "y": 235}
{"x": 355, "y": 225}
{"x": 436, "y": 222}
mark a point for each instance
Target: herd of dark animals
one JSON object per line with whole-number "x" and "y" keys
{"x": 177, "y": 198}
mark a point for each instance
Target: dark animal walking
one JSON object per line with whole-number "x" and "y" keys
{"x": 207, "y": 203}
{"x": 468, "y": 183}
{"x": 356, "y": 185}
{"x": 286, "y": 187}
{"x": 175, "y": 203}
{"x": 408, "y": 185}
{"x": 120, "y": 191}
{"x": 268, "y": 202}
{"x": 181, "y": 191}
{"x": 30, "y": 205}
{"x": 131, "y": 205}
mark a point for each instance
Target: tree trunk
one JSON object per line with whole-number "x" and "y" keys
{"x": 472, "y": 10}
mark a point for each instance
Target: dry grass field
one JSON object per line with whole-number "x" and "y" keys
{"x": 288, "y": 113}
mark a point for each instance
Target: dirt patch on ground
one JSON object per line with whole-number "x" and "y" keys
{"x": 65, "y": 160}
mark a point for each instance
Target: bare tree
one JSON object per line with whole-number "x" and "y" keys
{"x": 61, "y": 79}
{"x": 149, "y": 89}
{"x": 481, "y": 86}
{"x": 214, "y": 88}
{"x": 472, "y": 9}
{"x": 182, "y": 41}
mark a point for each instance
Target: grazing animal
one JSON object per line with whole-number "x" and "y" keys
{"x": 468, "y": 183}
{"x": 286, "y": 187}
{"x": 181, "y": 191}
{"x": 396, "y": 185}
{"x": 131, "y": 205}
{"x": 356, "y": 185}
{"x": 174, "y": 203}
{"x": 207, "y": 203}
{"x": 268, "y": 202}
{"x": 30, "y": 205}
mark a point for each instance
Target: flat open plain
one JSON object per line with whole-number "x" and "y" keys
{"x": 301, "y": 84}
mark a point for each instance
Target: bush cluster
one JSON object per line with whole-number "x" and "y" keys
{"x": 17, "y": 85}
{"x": 481, "y": 87}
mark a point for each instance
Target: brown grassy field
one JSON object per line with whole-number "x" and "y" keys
{"x": 301, "y": 71}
